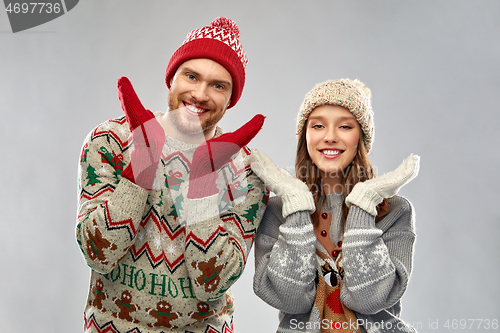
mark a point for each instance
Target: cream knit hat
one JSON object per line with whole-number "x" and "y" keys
{"x": 350, "y": 94}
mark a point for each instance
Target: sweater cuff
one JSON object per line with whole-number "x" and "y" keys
{"x": 129, "y": 198}
{"x": 198, "y": 210}
{"x": 359, "y": 219}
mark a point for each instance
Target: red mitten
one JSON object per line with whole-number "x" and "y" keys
{"x": 147, "y": 135}
{"x": 209, "y": 157}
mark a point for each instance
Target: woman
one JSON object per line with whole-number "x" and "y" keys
{"x": 335, "y": 248}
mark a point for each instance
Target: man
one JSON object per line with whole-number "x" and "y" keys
{"x": 168, "y": 205}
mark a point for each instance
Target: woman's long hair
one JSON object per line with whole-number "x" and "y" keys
{"x": 359, "y": 170}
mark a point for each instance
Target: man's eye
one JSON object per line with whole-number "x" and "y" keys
{"x": 191, "y": 76}
{"x": 219, "y": 86}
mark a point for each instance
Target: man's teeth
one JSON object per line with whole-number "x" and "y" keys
{"x": 193, "y": 108}
{"x": 331, "y": 152}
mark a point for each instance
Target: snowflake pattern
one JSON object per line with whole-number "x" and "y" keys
{"x": 158, "y": 242}
{"x": 283, "y": 258}
{"x": 171, "y": 249}
{"x": 305, "y": 268}
{"x": 381, "y": 253}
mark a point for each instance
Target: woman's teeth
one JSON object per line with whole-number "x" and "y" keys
{"x": 331, "y": 152}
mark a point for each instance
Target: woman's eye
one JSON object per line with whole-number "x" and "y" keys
{"x": 317, "y": 126}
{"x": 345, "y": 127}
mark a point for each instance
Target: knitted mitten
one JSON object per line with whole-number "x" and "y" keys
{"x": 368, "y": 194}
{"x": 209, "y": 157}
{"x": 147, "y": 135}
{"x": 293, "y": 193}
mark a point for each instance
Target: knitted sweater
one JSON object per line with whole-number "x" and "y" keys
{"x": 161, "y": 262}
{"x": 376, "y": 259}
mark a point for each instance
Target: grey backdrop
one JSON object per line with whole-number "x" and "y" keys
{"x": 433, "y": 70}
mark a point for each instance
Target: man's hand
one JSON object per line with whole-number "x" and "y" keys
{"x": 147, "y": 135}
{"x": 210, "y": 156}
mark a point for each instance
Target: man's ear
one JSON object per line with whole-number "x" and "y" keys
{"x": 228, "y": 103}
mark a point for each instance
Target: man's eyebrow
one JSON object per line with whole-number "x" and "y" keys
{"x": 190, "y": 70}
{"x": 187, "y": 69}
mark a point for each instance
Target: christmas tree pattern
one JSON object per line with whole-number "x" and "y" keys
{"x": 92, "y": 177}
{"x": 159, "y": 204}
{"x": 116, "y": 161}
{"x": 173, "y": 180}
{"x": 251, "y": 213}
{"x": 173, "y": 209}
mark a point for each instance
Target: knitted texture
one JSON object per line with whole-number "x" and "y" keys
{"x": 293, "y": 193}
{"x": 151, "y": 270}
{"x": 368, "y": 194}
{"x": 214, "y": 153}
{"x": 350, "y": 94}
{"x": 374, "y": 268}
{"x": 219, "y": 42}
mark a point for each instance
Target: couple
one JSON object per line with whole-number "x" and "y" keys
{"x": 169, "y": 206}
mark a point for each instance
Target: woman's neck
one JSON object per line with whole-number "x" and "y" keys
{"x": 332, "y": 185}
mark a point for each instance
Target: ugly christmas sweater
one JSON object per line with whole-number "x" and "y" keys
{"x": 161, "y": 262}
{"x": 295, "y": 275}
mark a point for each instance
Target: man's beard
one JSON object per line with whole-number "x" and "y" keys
{"x": 186, "y": 126}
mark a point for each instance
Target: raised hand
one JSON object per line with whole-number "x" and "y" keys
{"x": 147, "y": 135}
{"x": 293, "y": 193}
{"x": 368, "y": 194}
{"x": 214, "y": 153}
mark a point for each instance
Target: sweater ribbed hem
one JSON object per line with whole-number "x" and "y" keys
{"x": 129, "y": 197}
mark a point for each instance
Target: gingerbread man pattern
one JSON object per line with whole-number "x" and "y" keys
{"x": 163, "y": 315}
{"x": 210, "y": 274}
{"x": 99, "y": 295}
{"x": 126, "y": 307}
{"x": 96, "y": 243}
{"x": 229, "y": 306}
{"x": 202, "y": 313}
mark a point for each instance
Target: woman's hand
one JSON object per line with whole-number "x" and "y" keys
{"x": 368, "y": 194}
{"x": 293, "y": 193}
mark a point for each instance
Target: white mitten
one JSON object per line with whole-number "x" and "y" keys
{"x": 368, "y": 194}
{"x": 293, "y": 193}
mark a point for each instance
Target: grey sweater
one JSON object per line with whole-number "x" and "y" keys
{"x": 376, "y": 257}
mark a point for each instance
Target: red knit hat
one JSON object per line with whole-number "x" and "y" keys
{"x": 219, "y": 42}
